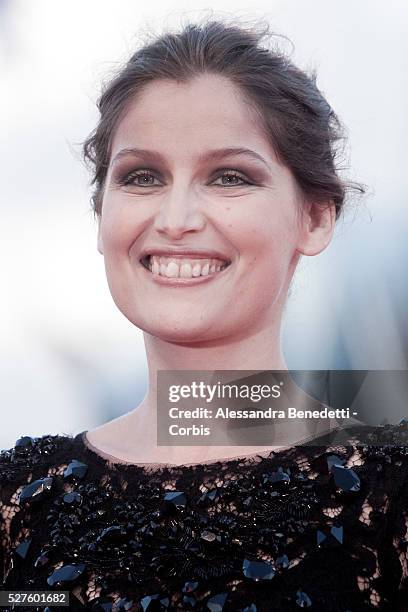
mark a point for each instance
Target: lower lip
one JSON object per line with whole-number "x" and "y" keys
{"x": 183, "y": 282}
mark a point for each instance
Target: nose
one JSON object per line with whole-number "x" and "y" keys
{"x": 179, "y": 214}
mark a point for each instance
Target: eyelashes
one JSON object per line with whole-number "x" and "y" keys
{"x": 147, "y": 178}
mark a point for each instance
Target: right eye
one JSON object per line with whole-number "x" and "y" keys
{"x": 139, "y": 178}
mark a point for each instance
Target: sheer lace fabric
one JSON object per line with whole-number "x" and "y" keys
{"x": 320, "y": 526}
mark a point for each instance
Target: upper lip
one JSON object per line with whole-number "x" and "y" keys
{"x": 196, "y": 253}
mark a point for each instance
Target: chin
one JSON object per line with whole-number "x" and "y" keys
{"x": 180, "y": 330}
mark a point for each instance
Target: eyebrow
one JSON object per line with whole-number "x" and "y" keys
{"x": 212, "y": 155}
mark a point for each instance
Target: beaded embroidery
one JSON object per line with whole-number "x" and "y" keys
{"x": 319, "y": 527}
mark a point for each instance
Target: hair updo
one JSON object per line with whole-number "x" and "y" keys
{"x": 302, "y": 128}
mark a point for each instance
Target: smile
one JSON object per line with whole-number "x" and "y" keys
{"x": 181, "y": 270}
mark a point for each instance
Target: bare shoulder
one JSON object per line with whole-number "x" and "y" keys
{"x": 112, "y": 438}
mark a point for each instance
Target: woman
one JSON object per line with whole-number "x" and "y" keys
{"x": 214, "y": 172}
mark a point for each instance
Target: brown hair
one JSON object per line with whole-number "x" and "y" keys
{"x": 300, "y": 124}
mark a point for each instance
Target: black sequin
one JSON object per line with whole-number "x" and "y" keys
{"x": 321, "y": 527}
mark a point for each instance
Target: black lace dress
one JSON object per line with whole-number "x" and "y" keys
{"x": 319, "y": 526}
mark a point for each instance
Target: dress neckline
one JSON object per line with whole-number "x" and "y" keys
{"x": 115, "y": 461}
{"x": 112, "y": 460}
{"x": 250, "y": 458}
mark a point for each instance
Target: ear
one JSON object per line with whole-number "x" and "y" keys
{"x": 99, "y": 240}
{"x": 317, "y": 227}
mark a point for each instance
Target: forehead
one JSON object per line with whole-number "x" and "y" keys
{"x": 204, "y": 113}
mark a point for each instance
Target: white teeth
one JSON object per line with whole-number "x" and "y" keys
{"x": 197, "y": 270}
{"x": 184, "y": 268}
{"x": 172, "y": 270}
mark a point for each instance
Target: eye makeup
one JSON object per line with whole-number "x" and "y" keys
{"x": 227, "y": 176}
{"x": 130, "y": 178}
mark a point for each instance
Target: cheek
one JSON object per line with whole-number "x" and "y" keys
{"x": 265, "y": 222}
{"x": 265, "y": 253}
{"x": 118, "y": 234}
{"x": 267, "y": 246}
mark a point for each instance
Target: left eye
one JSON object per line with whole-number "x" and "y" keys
{"x": 234, "y": 176}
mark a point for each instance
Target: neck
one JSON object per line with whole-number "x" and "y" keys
{"x": 259, "y": 351}
{"x": 135, "y": 433}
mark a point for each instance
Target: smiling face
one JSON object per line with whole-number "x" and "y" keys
{"x": 175, "y": 193}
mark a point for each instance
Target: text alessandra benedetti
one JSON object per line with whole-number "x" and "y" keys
{"x": 268, "y": 413}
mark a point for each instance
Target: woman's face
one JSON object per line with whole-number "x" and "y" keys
{"x": 171, "y": 185}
